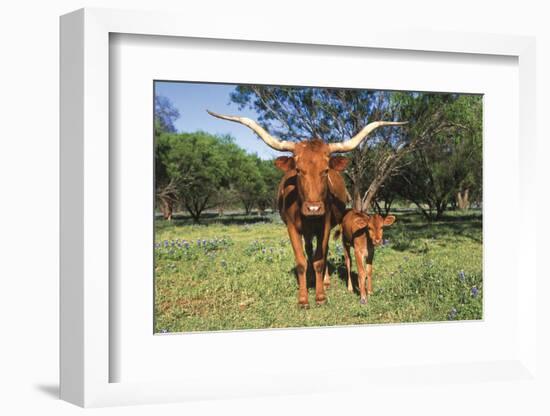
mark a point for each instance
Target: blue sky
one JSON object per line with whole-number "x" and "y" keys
{"x": 192, "y": 100}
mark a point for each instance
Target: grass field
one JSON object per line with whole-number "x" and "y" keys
{"x": 237, "y": 272}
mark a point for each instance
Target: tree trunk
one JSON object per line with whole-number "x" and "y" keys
{"x": 247, "y": 207}
{"x": 357, "y": 200}
{"x": 440, "y": 208}
{"x": 387, "y": 206}
{"x": 463, "y": 199}
{"x": 167, "y": 208}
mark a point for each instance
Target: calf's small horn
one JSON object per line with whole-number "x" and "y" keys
{"x": 271, "y": 141}
{"x": 356, "y": 140}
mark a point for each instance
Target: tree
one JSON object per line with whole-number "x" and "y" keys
{"x": 165, "y": 115}
{"x": 449, "y": 162}
{"x": 197, "y": 166}
{"x": 246, "y": 179}
{"x": 271, "y": 177}
{"x": 165, "y": 189}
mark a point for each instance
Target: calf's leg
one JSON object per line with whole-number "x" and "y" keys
{"x": 369, "y": 279}
{"x": 360, "y": 253}
{"x": 348, "y": 265}
{"x": 370, "y": 258}
{"x": 326, "y": 281}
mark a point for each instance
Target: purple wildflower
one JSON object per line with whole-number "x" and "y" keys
{"x": 452, "y": 313}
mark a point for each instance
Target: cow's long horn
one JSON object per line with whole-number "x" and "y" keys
{"x": 271, "y": 141}
{"x": 356, "y": 140}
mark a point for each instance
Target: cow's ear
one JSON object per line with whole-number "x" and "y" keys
{"x": 285, "y": 163}
{"x": 389, "y": 220}
{"x": 338, "y": 163}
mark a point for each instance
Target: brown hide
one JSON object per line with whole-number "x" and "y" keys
{"x": 312, "y": 179}
{"x": 363, "y": 232}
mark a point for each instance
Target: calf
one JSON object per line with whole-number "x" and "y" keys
{"x": 364, "y": 232}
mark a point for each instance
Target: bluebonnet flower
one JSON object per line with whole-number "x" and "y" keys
{"x": 385, "y": 242}
{"x": 474, "y": 291}
{"x": 199, "y": 242}
{"x": 165, "y": 243}
{"x": 452, "y": 313}
{"x": 163, "y": 331}
{"x": 461, "y": 275}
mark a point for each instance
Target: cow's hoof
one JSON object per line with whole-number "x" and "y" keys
{"x": 327, "y": 286}
{"x": 321, "y": 302}
{"x": 350, "y": 289}
{"x": 363, "y": 301}
{"x": 370, "y": 292}
{"x": 303, "y": 305}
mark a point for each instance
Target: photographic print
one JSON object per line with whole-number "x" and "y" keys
{"x": 291, "y": 206}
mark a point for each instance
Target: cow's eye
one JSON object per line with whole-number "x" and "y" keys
{"x": 298, "y": 171}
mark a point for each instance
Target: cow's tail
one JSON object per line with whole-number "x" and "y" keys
{"x": 337, "y": 233}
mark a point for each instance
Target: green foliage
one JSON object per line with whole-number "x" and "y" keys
{"x": 450, "y": 158}
{"x": 294, "y": 113}
{"x": 210, "y": 171}
{"x": 442, "y": 128}
{"x": 271, "y": 176}
{"x": 429, "y": 271}
{"x": 196, "y": 164}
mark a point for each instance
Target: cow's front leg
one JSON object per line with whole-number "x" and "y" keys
{"x": 301, "y": 265}
{"x": 319, "y": 265}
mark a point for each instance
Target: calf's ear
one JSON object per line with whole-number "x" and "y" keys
{"x": 285, "y": 163}
{"x": 338, "y": 163}
{"x": 389, "y": 220}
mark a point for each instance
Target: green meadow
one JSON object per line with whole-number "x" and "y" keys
{"x": 237, "y": 272}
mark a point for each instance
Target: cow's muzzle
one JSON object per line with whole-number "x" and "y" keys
{"x": 311, "y": 209}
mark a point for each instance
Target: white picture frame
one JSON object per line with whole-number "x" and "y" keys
{"x": 85, "y": 216}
